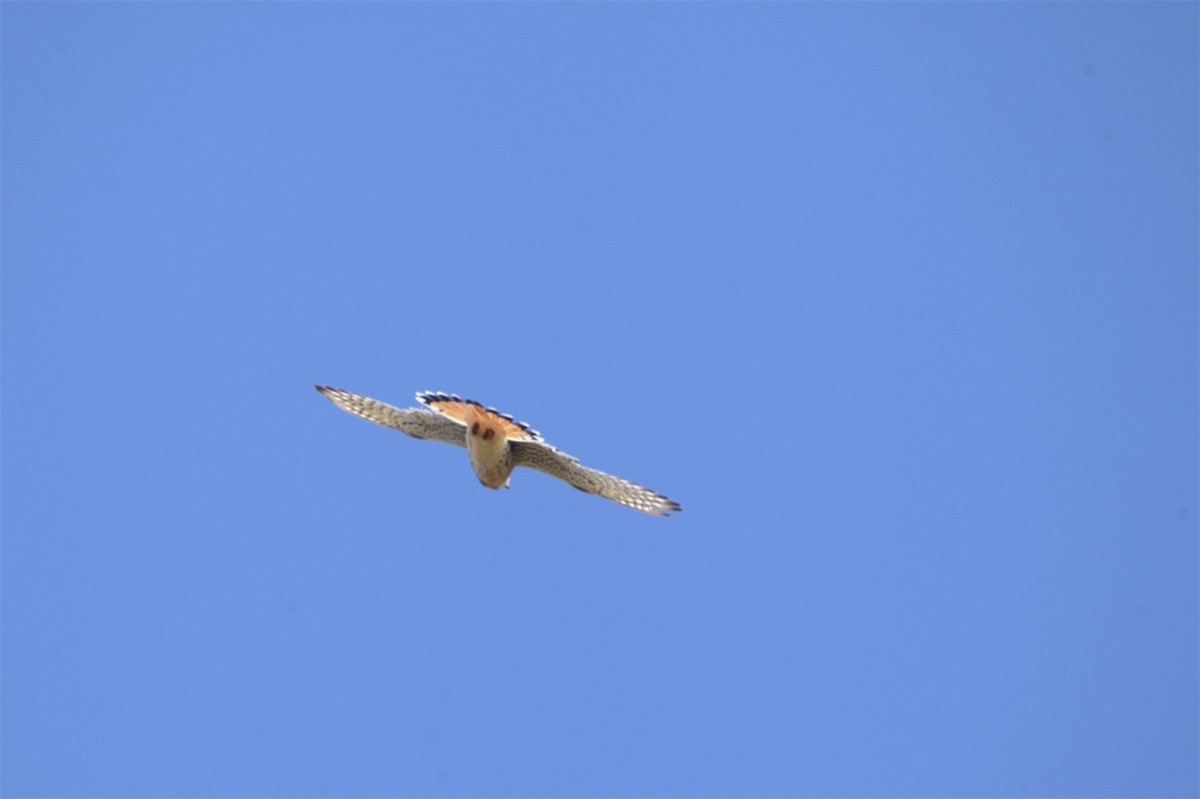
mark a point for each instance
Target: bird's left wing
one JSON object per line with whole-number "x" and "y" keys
{"x": 545, "y": 458}
{"x": 415, "y": 422}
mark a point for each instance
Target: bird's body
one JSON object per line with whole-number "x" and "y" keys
{"x": 491, "y": 458}
{"x": 487, "y": 433}
{"x": 496, "y": 444}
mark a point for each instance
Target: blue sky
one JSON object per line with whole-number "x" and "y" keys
{"x": 899, "y": 301}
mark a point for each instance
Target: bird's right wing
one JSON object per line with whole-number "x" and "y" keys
{"x": 415, "y": 422}
{"x": 545, "y": 458}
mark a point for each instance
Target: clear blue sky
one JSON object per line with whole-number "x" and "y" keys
{"x": 899, "y": 301}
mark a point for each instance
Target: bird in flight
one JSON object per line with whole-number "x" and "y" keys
{"x": 496, "y": 444}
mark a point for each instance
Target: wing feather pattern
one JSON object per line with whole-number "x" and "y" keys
{"x": 545, "y": 458}
{"x": 416, "y": 422}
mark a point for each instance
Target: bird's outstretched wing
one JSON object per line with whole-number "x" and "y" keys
{"x": 545, "y": 458}
{"x": 416, "y": 422}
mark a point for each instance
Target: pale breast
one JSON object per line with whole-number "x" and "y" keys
{"x": 490, "y": 456}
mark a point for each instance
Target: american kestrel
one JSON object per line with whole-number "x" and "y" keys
{"x": 496, "y": 444}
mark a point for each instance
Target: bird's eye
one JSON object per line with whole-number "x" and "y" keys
{"x": 475, "y": 429}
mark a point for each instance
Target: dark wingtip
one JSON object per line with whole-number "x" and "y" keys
{"x": 666, "y": 505}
